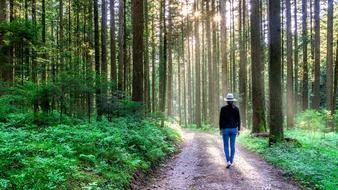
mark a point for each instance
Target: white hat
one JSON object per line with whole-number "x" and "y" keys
{"x": 230, "y": 98}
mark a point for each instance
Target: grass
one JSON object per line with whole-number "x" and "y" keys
{"x": 315, "y": 164}
{"x": 99, "y": 155}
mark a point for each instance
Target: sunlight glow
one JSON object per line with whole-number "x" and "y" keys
{"x": 217, "y": 18}
{"x": 197, "y": 14}
{"x": 185, "y": 10}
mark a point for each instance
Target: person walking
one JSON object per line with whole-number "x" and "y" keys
{"x": 229, "y": 125}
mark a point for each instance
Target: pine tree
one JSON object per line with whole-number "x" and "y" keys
{"x": 275, "y": 94}
{"x": 138, "y": 27}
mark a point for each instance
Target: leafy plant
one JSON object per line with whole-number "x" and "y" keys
{"x": 313, "y": 164}
{"x": 311, "y": 120}
{"x": 98, "y": 155}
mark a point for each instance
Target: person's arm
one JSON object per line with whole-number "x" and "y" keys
{"x": 220, "y": 120}
{"x": 238, "y": 120}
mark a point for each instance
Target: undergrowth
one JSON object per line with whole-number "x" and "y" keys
{"x": 314, "y": 163}
{"x": 99, "y": 155}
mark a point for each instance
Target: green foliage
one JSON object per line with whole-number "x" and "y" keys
{"x": 314, "y": 163}
{"x": 314, "y": 120}
{"x": 61, "y": 100}
{"x": 311, "y": 120}
{"x": 100, "y": 155}
{"x": 19, "y": 31}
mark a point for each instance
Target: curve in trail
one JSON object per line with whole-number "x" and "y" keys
{"x": 201, "y": 165}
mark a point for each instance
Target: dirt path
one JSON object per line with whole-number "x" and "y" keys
{"x": 201, "y": 165}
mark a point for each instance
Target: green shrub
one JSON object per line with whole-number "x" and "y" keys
{"x": 311, "y": 120}
{"x": 314, "y": 120}
{"x": 90, "y": 155}
{"x": 314, "y": 163}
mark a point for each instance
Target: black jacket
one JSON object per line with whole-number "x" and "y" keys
{"x": 229, "y": 117}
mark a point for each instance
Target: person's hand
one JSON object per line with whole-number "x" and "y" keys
{"x": 238, "y": 133}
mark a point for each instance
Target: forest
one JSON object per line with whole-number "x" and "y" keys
{"x": 97, "y": 94}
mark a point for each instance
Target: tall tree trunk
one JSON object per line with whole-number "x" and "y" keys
{"x": 26, "y": 67}
{"x": 4, "y": 65}
{"x": 45, "y": 99}
{"x": 210, "y": 65}
{"x": 60, "y": 41}
{"x": 69, "y": 65}
{"x": 34, "y": 57}
{"x": 224, "y": 46}
{"x": 198, "y": 120}
{"x": 163, "y": 58}
{"x": 138, "y": 27}
{"x": 179, "y": 92}
{"x": 113, "y": 69}
{"x": 335, "y": 87}
{"x": 43, "y": 23}
{"x": 170, "y": 62}
{"x": 290, "y": 99}
{"x": 213, "y": 94}
{"x": 104, "y": 66}
{"x": 233, "y": 47}
{"x": 243, "y": 66}
{"x": 11, "y": 73}
{"x": 258, "y": 111}
{"x": 97, "y": 59}
{"x": 276, "y": 114}
{"x": 89, "y": 77}
{"x": 121, "y": 55}
{"x": 146, "y": 79}
{"x": 316, "y": 90}
{"x": 296, "y": 66}
{"x": 153, "y": 72}
{"x": 204, "y": 75}
{"x": 305, "y": 91}
{"x": 184, "y": 73}
{"x": 34, "y": 61}
{"x": 189, "y": 78}
{"x": 329, "y": 56}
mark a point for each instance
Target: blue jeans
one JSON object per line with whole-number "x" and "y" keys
{"x": 229, "y": 134}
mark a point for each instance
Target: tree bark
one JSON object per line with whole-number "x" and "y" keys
{"x": 97, "y": 60}
{"x": 146, "y": 79}
{"x": 4, "y": 57}
{"x": 43, "y": 23}
{"x": 316, "y": 90}
{"x": 305, "y": 92}
{"x": 153, "y": 72}
{"x": 170, "y": 62}
{"x": 290, "y": 98}
{"x": 210, "y": 65}
{"x": 189, "y": 78}
{"x": 335, "y": 94}
{"x": 163, "y": 58}
{"x": 257, "y": 77}
{"x": 198, "y": 71}
{"x": 104, "y": 66}
{"x": 243, "y": 66}
{"x": 138, "y": 27}
{"x": 214, "y": 77}
{"x": 276, "y": 114}
{"x": 224, "y": 46}
{"x": 121, "y": 55}
{"x": 329, "y": 57}
{"x": 113, "y": 69}
{"x": 296, "y": 66}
